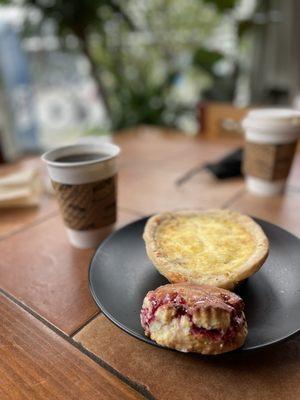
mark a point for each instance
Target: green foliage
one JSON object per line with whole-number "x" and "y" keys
{"x": 222, "y": 5}
{"x": 206, "y": 59}
{"x": 95, "y": 132}
{"x": 77, "y": 16}
{"x": 143, "y": 66}
{"x": 141, "y": 50}
{"x": 245, "y": 26}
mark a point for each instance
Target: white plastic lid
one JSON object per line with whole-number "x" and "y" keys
{"x": 272, "y": 125}
{"x": 283, "y": 115}
{"x": 282, "y": 118}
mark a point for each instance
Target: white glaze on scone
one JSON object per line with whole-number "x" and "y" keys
{"x": 193, "y": 318}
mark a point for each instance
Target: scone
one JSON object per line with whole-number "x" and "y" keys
{"x": 214, "y": 247}
{"x": 193, "y": 318}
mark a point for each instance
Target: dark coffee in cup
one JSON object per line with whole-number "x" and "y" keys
{"x": 81, "y": 157}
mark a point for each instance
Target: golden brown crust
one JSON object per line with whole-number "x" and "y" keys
{"x": 210, "y": 319}
{"x": 170, "y": 269}
{"x": 210, "y": 296}
{"x": 176, "y": 277}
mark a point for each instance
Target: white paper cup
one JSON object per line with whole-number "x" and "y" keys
{"x": 85, "y": 190}
{"x": 271, "y": 138}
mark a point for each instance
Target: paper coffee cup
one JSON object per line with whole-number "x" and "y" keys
{"x": 271, "y": 140}
{"x": 84, "y": 178}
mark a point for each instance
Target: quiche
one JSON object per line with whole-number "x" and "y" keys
{"x": 214, "y": 247}
{"x": 194, "y": 318}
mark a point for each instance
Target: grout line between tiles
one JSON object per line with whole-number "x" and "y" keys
{"x": 31, "y": 225}
{"x": 157, "y": 163}
{"x": 33, "y": 313}
{"x": 94, "y": 316}
{"x": 134, "y": 385}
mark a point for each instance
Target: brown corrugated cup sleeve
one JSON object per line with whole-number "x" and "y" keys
{"x": 267, "y": 161}
{"x": 88, "y": 206}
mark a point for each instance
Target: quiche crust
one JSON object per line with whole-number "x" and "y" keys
{"x": 177, "y": 270}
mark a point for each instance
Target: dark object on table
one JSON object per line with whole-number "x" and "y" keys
{"x": 271, "y": 296}
{"x": 227, "y": 167}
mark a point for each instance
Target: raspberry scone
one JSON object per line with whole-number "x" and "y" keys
{"x": 193, "y": 318}
{"x": 213, "y": 247}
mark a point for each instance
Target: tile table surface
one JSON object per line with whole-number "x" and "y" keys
{"x": 51, "y": 328}
{"x": 270, "y": 374}
{"x": 36, "y": 363}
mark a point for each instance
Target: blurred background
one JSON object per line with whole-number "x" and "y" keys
{"x": 71, "y": 68}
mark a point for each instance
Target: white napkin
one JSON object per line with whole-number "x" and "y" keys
{"x": 21, "y": 189}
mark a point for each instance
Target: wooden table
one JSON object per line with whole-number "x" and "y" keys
{"x": 54, "y": 342}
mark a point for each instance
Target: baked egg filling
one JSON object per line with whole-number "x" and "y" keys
{"x": 204, "y": 244}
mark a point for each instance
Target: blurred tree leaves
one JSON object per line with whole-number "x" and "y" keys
{"x": 222, "y": 5}
{"x": 245, "y": 26}
{"x": 76, "y": 15}
{"x": 140, "y": 51}
{"x": 206, "y": 59}
{"x": 80, "y": 19}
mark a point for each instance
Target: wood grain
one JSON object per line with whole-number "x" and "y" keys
{"x": 148, "y": 190}
{"x": 16, "y": 219}
{"x": 273, "y": 373}
{"x": 40, "y": 268}
{"x": 154, "y": 147}
{"x": 282, "y": 210}
{"x": 153, "y": 161}
{"x": 151, "y": 145}
{"x": 36, "y": 363}
{"x": 214, "y": 115}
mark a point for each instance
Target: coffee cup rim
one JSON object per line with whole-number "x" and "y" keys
{"x": 274, "y": 114}
{"x": 49, "y": 156}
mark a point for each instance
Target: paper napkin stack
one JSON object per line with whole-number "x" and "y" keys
{"x": 21, "y": 189}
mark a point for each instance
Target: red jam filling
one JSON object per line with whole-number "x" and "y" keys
{"x": 148, "y": 316}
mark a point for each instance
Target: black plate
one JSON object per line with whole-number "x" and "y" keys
{"x": 121, "y": 274}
